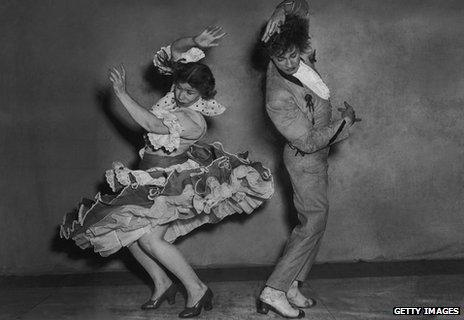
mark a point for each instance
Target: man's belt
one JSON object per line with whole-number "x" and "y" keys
{"x": 302, "y": 153}
{"x": 298, "y": 151}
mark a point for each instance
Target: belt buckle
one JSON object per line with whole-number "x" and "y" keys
{"x": 298, "y": 151}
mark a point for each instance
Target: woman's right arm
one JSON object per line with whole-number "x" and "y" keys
{"x": 142, "y": 116}
{"x": 206, "y": 39}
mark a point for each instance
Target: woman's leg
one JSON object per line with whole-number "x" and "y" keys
{"x": 159, "y": 276}
{"x": 167, "y": 254}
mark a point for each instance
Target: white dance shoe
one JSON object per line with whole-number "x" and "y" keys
{"x": 276, "y": 301}
{"x": 297, "y": 299}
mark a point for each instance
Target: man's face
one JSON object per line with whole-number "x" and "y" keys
{"x": 288, "y": 62}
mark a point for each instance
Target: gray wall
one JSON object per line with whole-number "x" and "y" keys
{"x": 396, "y": 186}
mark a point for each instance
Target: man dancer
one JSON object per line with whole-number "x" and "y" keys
{"x": 297, "y": 101}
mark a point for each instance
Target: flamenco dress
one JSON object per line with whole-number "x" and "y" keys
{"x": 204, "y": 184}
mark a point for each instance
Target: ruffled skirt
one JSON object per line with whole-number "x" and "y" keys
{"x": 204, "y": 185}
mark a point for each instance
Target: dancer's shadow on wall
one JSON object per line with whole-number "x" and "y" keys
{"x": 104, "y": 98}
{"x": 259, "y": 61}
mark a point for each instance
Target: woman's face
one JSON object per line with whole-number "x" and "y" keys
{"x": 185, "y": 94}
{"x": 288, "y": 62}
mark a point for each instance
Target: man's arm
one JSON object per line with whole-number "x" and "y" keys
{"x": 292, "y": 123}
{"x": 295, "y": 7}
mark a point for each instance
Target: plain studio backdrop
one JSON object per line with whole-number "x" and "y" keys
{"x": 396, "y": 186}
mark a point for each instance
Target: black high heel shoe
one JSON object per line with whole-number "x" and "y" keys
{"x": 263, "y": 308}
{"x": 206, "y": 302}
{"x": 169, "y": 295}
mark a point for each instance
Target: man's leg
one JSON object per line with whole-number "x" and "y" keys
{"x": 310, "y": 199}
{"x": 309, "y": 262}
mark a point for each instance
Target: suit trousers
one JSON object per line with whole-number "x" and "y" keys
{"x": 308, "y": 175}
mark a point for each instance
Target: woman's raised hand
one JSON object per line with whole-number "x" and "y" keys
{"x": 117, "y": 76}
{"x": 209, "y": 37}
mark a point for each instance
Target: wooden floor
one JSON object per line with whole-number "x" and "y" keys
{"x": 355, "y": 298}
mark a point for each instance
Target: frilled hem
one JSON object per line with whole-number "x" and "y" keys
{"x": 189, "y": 198}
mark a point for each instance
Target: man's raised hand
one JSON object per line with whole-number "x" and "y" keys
{"x": 273, "y": 25}
{"x": 349, "y": 112}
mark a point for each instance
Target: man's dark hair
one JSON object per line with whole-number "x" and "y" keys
{"x": 198, "y": 75}
{"x": 293, "y": 33}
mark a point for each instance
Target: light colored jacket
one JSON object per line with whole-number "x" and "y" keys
{"x": 309, "y": 127}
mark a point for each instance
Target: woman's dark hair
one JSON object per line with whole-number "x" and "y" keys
{"x": 293, "y": 33}
{"x": 198, "y": 75}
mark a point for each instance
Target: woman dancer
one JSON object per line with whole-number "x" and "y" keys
{"x": 180, "y": 183}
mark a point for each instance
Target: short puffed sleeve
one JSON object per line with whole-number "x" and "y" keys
{"x": 163, "y": 55}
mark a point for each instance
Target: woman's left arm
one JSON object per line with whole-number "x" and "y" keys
{"x": 206, "y": 39}
{"x": 142, "y": 116}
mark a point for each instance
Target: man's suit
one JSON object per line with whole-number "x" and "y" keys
{"x": 305, "y": 120}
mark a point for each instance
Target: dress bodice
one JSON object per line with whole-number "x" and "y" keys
{"x": 186, "y": 126}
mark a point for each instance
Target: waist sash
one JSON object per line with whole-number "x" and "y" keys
{"x": 151, "y": 160}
